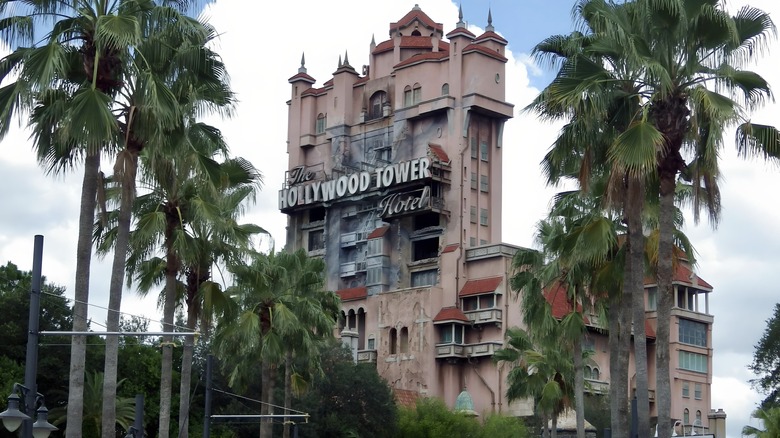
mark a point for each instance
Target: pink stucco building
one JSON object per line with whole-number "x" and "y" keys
{"x": 395, "y": 171}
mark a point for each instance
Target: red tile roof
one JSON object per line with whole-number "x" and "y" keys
{"x": 460, "y": 31}
{"x": 421, "y": 57}
{"x": 419, "y": 15}
{"x": 353, "y": 293}
{"x": 490, "y": 35}
{"x": 314, "y": 91}
{"x": 416, "y": 42}
{"x": 683, "y": 274}
{"x": 451, "y": 314}
{"x": 439, "y": 153}
{"x": 302, "y": 77}
{"x": 384, "y": 46}
{"x": 481, "y": 286}
{"x": 379, "y": 232}
{"x": 450, "y": 248}
{"x": 406, "y": 397}
{"x": 484, "y": 50}
{"x": 561, "y": 306}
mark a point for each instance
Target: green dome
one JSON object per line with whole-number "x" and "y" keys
{"x": 464, "y": 404}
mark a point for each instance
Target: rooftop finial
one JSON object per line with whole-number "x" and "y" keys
{"x": 346, "y": 59}
{"x": 460, "y": 22}
{"x": 416, "y": 7}
{"x": 490, "y": 27}
{"x": 302, "y": 68}
{"x": 373, "y": 41}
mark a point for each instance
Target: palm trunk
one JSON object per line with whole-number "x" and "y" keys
{"x": 636, "y": 247}
{"x": 554, "y": 428}
{"x": 186, "y": 372}
{"x": 115, "y": 296}
{"x": 169, "y": 311}
{"x": 268, "y": 376}
{"x": 579, "y": 387}
{"x": 287, "y": 392}
{"x": 78, "y": 349}
{"x": 545, "y": 427}
{"x": 665, "y": 303}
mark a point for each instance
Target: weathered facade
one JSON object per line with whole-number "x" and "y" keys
{"x": 395, "y": 180}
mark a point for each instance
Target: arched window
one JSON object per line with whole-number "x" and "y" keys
{"x": 587, "y": 372}
{"x": 416, "y": 94}
{"x": 342, "y": 321}
{"x": 698, "y": 417}
{"x": 351, "y": 320}
{"x": 321, "y": 122}
{"x": 407, "y": 96}
{"x": 404, "y": 340}
{"x": 393, "y": 340}
{"x": 445, "y": 89}
{"x": 376, "y": 104}
{"x": 416, "y": 33}
{"x": 595, "y": 374}
{"x": 686, "y": 417}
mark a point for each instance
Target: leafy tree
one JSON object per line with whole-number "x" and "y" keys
{"x": 347, "y": 399}
{"x": 766, "y": 361}
{"x": 770, "y": 421}
{"x": 431, "y": 418}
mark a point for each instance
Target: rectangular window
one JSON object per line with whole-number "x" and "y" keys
{"x": 374, "y": 275}
{"x": 482, "y": 242}
{"x": 471, "y": 303}
{"x": 686, "y": 390}
{"x": 458, "y": 334}
{"x": 425, "y": 249}
{"x": 697, "y": 391}
{"x": 473, "y": 217}
{"x": 408, "y": 98}
{"x": 316, "y": 240}
{"x": 473, "y": 240}
{"x": 417, "y": 95}
{"x": 375, "y": 247}
{"x": 483, "y": 183}
{"x": 693, "y": 332}
{"x": 693, "y": 361}
{"x": 652, "y": 298}
{"x": 474, "y": 180}
{"x": 483, "y": 151}
{"x": 473, "y": 147}
{"x": 588, "y": 344}
{"x": 424, "y": 278}
{"x": 483, "y": 216}
{"x": 371, "y": 344}
{"x": 487, "y": 301}
{"x": 321, "y": 121}
{"x": 446, "y": 333}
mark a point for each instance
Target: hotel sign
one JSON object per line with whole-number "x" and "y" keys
{"x": 304, "y": 191}
{"x": 398, "y": 204}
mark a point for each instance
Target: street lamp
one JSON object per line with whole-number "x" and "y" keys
{"x": 13, "y": 417}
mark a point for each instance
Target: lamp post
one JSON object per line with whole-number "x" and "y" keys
{"x": 13, "y": 417}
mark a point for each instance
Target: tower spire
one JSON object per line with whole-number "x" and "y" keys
{"x": 302, "y": 68}
{"x": 460, "y": 22}
{"x": 489, "y": 27}
{"x": 346, "y": 59}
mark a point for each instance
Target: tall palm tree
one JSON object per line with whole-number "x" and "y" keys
{"x": 576, "y": 241}
{"x": 279, "y": 299}
{"x": 189, "y": 214}
{"x": 676, "y": 57}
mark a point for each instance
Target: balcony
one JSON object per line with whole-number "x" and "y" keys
{"x": 596, "y": 386}
{"x": 447, "y": 351}
{"x": 352, "y": 239}
{"x": 484, "y": 316}
{"x": 366, "y": 356}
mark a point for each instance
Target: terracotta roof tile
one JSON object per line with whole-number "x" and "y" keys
{"x": 406, "y": 397}
{"x": 419, "y": 15}
{"x": 450, "y": 314}
{"x": 483, "y": 50}
{"x": 420, "y": 57}
{"x": 384, "y": 46}
{"x": 460, "y": 31}
{"x": 379, "y": 232}
{"x": 683, "y": 274}
{"x": 302, "y": 77}
{"x": 490, "y": 35}
{"x": 450, "y": 248}
{"x": 439, "y": 153}
{"x": 314, "y": 91}
{"x": 416, "y": 42}
{"x": 556, "y": 296}
{"x": 353, "y": 293}
{"x": 481, "y": 286}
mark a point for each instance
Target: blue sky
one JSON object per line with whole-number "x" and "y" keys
{"x": 262, "y": 50}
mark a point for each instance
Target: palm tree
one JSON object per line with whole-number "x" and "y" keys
{"x": 576, "y": 241}
{"x": 189, "y": 212}
{"x": 541, "y": 371}
{"x": 673, "y": 58}
{"x": 770, "y": 421}
{"x": 280, "y": 302}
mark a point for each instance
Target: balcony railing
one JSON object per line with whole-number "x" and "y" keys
{"x": 488, "y": 348}
{"x": 366, "y": 356}
{"x": 596, "y": 386}
{"x": 484, "y": 316}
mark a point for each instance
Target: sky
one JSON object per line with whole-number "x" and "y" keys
{"x": 262, "y": 49}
